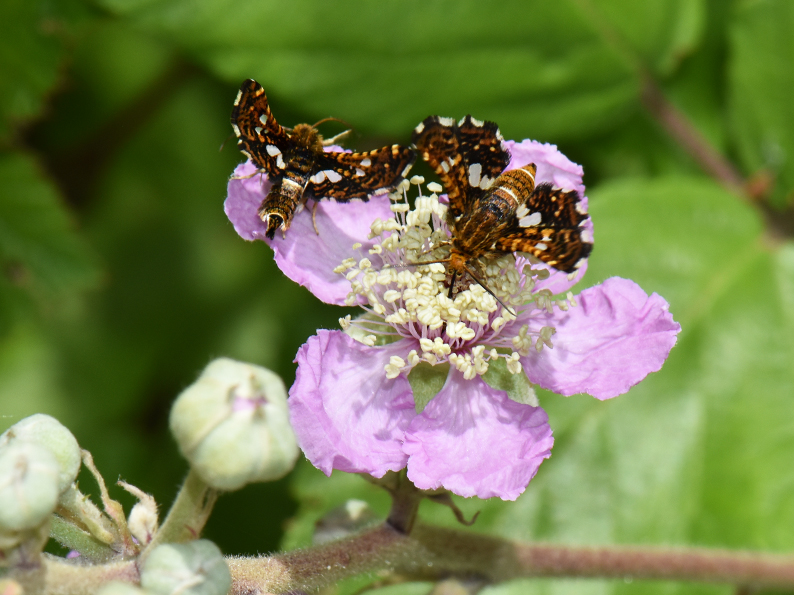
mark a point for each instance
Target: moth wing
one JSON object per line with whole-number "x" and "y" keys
{"x": 263, "y": 140}
{"x": 343, "y": 176}
{"x": 467, "y": 155}
{"x": 551, "y": 226}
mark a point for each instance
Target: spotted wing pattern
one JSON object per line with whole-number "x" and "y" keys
{"x": 343, "y": 176}
{"x": 467, "y": 155}
{"x": 260, "y": 137}
{"x": 550, "y": 225}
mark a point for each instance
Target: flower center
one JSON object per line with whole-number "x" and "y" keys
{"x": 467, "y": 325}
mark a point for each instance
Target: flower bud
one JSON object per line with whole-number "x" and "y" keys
{"x": 28, "y": 485}
{"x": 195, "y": 568}
{"x": 143, "y": 522}
{"x": 48, "y": 432}
{"x": 233, "y": 426}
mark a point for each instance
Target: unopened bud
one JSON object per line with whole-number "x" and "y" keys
{"x": 28, "y": 485}
{"x": 233, "y": 426}
{"x": 195, "y": 568}
{"x": 48, "y": 432}
{"x": 143, "y": 522}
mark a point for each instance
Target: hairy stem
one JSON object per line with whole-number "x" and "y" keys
{"x": 56, "y": 576}
{"x": 188, "y": 514}
{"x": 432, "y": 553}
{"x": 404, "y": 505}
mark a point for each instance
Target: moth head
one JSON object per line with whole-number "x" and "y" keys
{"x": 307, "y": 136}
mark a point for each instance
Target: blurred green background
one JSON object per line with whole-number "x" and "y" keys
{"x": 121, "y": 277}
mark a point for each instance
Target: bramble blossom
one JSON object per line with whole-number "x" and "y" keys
{"x": 440, "y": 385}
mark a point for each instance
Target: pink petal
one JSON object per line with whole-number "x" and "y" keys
{"x": 553, "y": 166}
{"x": 474, "y": 441}
{"x": 303, "y": 256}
{"x": 347, "y": 415}
{"x": 614, "y": 338}
{"x": 243, "y": 196}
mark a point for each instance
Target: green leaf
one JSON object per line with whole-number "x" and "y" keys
{"x": 760, "y": 81}
{"x": 40, "y": 249}
{"x": 540, "y": 69}
{"x": 426, "y": 381}
{"x": 517, "y": 386}
{"x": 660, "y": 34}
{"x": 30, "y": 54}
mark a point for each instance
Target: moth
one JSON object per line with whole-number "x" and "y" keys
{"x": 493, "y": 212}
{"x": 299, "y": 168}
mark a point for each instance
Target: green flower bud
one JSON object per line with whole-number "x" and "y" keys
{"x": 195, "y": 568}
{"x": 28, "y": 485}
{"x": 48, "y": 432}
{"x": 233, "y": 426}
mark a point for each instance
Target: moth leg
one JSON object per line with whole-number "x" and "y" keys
{"x": 327, "y": 142}
{"x": 257, "y": 172}
{"x": 314, "y": 217}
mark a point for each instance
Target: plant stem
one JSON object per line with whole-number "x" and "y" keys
{"x": 690, "y": 139}
{"x": 404, "y": 505}
{"x": 434, "y": 553}
{"x": 56, "y": 576}
{"x": 501, "y": 560}
{"x": 381, "y": 548}
{"x": 431, "y": 553}
{"x": 188, "y": 514}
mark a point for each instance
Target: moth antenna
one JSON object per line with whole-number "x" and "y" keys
{"x": 324, "y": 120}
{"x": 485, "y": 287}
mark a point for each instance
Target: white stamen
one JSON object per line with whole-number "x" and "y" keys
{"x": 469, "y": 330}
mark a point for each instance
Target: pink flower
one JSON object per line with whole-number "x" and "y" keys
{"x": 360, "y": 399}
